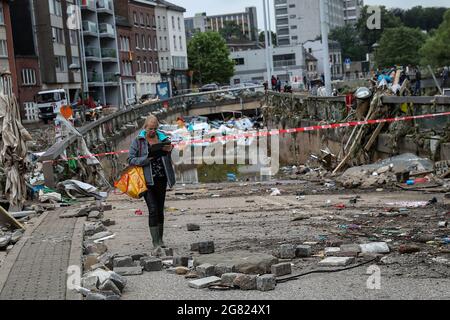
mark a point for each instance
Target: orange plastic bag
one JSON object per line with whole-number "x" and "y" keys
{"x": 132, "y": 182}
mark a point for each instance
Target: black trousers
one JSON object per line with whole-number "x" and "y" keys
{"x": 155, "y": 198}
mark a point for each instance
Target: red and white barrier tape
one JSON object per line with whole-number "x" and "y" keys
{"x": 273, "y": 132}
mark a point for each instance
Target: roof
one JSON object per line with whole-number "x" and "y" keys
{"x": 309, "y": 57}
{"x": 171, "y": 6}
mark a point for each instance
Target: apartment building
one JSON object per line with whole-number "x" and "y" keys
{"x": 8, "y": 85}
{"x": 246, "y": 20}
{"x": 138, "y": 45}
{"x": 315, "y": 48}
{"x": 101, "y": 58}
{"x": 298, "y": 21}
{"x": 352, "y": 10}
{"x": 172, "y": 47}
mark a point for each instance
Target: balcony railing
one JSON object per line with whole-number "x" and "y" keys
{"x": 109, "y": 53}
{"x": 92, "y": 52}
{"x": 94, "y": 77}
{"x": 105, "y": 4}
{"x": 284, "y": 63}
{"x": 110, "y": 77}
{"x": 89, "y": 26}
{"x": 89, "y": 4}
{"x": 106, "y": 28}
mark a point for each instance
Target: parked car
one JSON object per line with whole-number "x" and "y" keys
{"x": 209, "y": 87}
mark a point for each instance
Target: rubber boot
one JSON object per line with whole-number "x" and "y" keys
{"x": 161, "y": 233}
{"x": 154, "y": 231}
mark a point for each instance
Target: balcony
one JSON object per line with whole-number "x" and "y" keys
{"x": 110, "y": 77}
{"x": 90, "y": 28}
{"x": 92, "y": 54}
{"x": 94, "y": 77}
{"x": 283, "y": 63}
{"x": 105, "y": 6}
{"x": 106, "y": 30}
{"x": 88, "y": 5}
{"x": 109, "y": 54}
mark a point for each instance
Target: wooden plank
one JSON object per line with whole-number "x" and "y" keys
{"x": 6, "y": 218}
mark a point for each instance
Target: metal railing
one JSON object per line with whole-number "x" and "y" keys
{"x": 92, "y": 52}
{"x": 284, "y": 63}
{"x": 89, "y": 26}
{"x": 94, "y": 77}
{"x": 104, "y": 4}
{"x": 110, "y": 77}
{"x": 88, "y": 4}
{"x": 109, "y": 53}
{"x": 106, "y": 28}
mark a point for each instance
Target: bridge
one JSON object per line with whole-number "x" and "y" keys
{"x": 114, "y": 132}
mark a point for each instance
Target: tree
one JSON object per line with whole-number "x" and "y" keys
{"x": 351, "y": 45}
{"x": 418, "y": 17}
{"x": 231, "y": 31}
{"x": 262, "y": 37}
{"x": 209, "y": 58}
{"x": 436, "y": 51}
{"x": 370, "y": 37}
{"x": 399, "y": 46}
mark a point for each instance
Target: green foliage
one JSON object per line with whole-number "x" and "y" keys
{"x": 231, "y": 31}
{"x": 351, "y": 46}
{"x": 370, "y": 37}
{"x": 436, "y": 51}
{"x": 399, "y": 46}
{"x": 262, "y": 37}
{"x": 208, "y": 57}
{"x": 423, "y": 18}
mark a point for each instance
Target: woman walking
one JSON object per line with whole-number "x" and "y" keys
{"x": 145, "y": 152}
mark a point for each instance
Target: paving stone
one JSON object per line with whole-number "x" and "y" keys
{"x": 206, "y": 247}
{"x": 303, "y": 251}
{"x": 95, "y": 215}
{"x": 336, "y": 261}
{"x": 126, "y": 261}
{"x": 206, "y": 270}
{"x": 172, "y": 270}
{"x": 245, "y": 282}
{"x": 118, "y": 280}
{"x": 350, "y": 250}
{"x": 151, "y": 264}
{"x": 91, "y": 228}
{"x": 128, "y": 271}
{"x": 227, "y": 279}
{"x": 193, "y": 227}
{"x": 109, "y": 285}
{"x": 203, "y": 282}
{"x": 287, "y": 251}
{"x": 195, "y": 246}
{"x": 375, "y": 247}
{"x": 95, "y": 248}
{"x": 107, "y": 259}
{"x": 281, "y": 269}
{"x": 100, "y": 235}
{"x": 266, "y": 282}
{"x": 181, "y": 261}
{"x": 89, "y": 282}
{"x": 138, "y": 256}
{"x": 108, "y": 222}
{"x": 89, "y": 261}
{"x": 222, "y": 268}
{"x": 332, "y": 251}
{"x": 4, "y": 242}
{"x": 15, "y": 237}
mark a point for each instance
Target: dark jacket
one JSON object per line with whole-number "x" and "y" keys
{"x": 138, "y": 156}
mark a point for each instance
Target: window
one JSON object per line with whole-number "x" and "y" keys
{"x": 293, "y": 27}
{"x": 179, "y": 24}
{"x": 164, "y": 23}
{"x": 28, "y": 77}
{"x": 143, "y": 42}
{"x": 282, "y": 21}
{"x": 142, "y": 19}
{"x": 292, "y": 16}
{"x": 58, "y": 35}
{"x": 292, "y": 6}
{"x": 144, "y": 68}
{"x": 281, "y": 11}
{"x": 239, "y": 61}
{"x": 153, "y": 22}
{"x": 175, "y": 42}
{"x": 181, "y": 43}
{"x": 2, "y": 17}
{"x": 148, "y": 21}
{"x": 165, "y": 40}
{"x": 135, "y": 18}
{"x": 159, "y": 22}
{"x": 173, "y": 22}
{"x": 55, "y": 7}
{"x": 138, "y": 65}
{"x": 137, "y": 41}
{"x": 61, "y": 63}
{"x": 156, "y": 67}
{"x": 160, "y": 43}
{"x": 150, "y": 66}
{"x": 3, "y": 48}
{"x": 156, "y": 44}
{"x": 150, "y": 43}
{"x": 294, "y": 37}
{"x": 73, "y": 38}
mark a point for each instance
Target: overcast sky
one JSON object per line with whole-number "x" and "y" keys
{"x": 212, "y": 7}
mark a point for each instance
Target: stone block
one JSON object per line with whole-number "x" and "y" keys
{"x": 95, "y": 215}
{"x": 336, "y": 261}
{"x": 303, "y": 251}
{"x": 204, "y": 282}
{"x": 350, "y": 250}
{"x": 128, "y": 271}
{"x": 194, "y": 246}
{"x": 245, "y": 282}
{"x": 266, "y": 282}
{"x": 168, "y": 252}
{"x": 206, "y": 247}
{"x": 89, "y": 282}
{"x": 222, "y": 268}
{"x": 206, "y": 270}
{"x": 281, "y": 269}
{"x": 138, "y": 256}
{"x": 109, "y": 285}
{"x": 151, "y": 264}
{"x": 193, "y": 227}
{"x": 118, "y": 280}
{"x": 95, "y": 248}
{"x": 332, "y": 251}
{"x": 287, "y": 251}
{"x": 227, "y": 279}
{"x": 375, "y": 247}
{"x": 181, "y": 261}
{"x": 90, "y": 260}
{"x": 126, "y": 261}
{"x": 100, "y": 235}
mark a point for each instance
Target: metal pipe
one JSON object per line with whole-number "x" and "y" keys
{"x": 325, "y": 48}
{"x": 269, "y": 72}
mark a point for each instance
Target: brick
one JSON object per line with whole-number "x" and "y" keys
{"x": 266, "y": 282}
{"x": 281, "y": 269}
{"x": 206, "y": 270}
{"x": 287, "y": 251}
{"x": 126, "y": 261}
{"x": 227, "y": 279}
{"x": 222, "y": 268}
{"x": 245, "y": 282}
{"x": 206, "y": 247}
{"x": 203, "y": 282}
{"x": 151, "y": 264}
{"x": 128, "y": 271}
{"x": 336, "y": 261}
{"x": 193, "y": 227}
{"x": 181, "y": 261}
{"x": 303, "y": 251}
